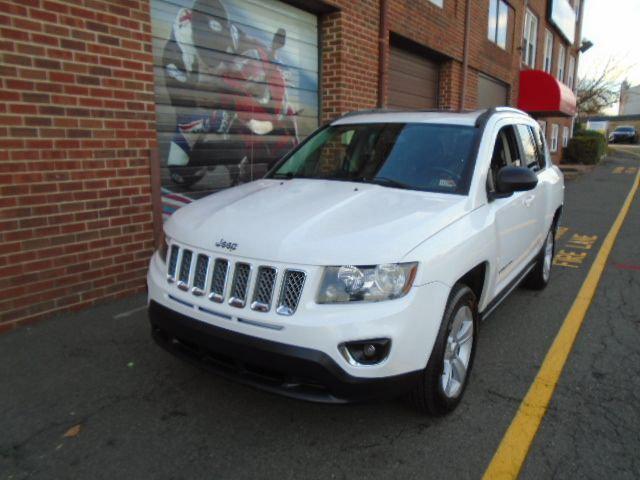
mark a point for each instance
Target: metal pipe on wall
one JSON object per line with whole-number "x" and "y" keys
{"x": 465, "y": 53}
{"x": 156, "y": 196}
{"x": 383, "y": 54}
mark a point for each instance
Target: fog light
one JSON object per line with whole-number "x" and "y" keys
{"x": 369, "y": 350}
{"x": 366, "y": 352}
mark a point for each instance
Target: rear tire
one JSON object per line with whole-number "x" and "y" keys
{"x": 445, "y": 378}
{"x": 539, "y": 277}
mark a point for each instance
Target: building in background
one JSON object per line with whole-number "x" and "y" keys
{"x": 113, "y": 115}
{"x": 629, "y": 99}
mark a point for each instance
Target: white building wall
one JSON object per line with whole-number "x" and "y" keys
{"x": 630, "y": 101}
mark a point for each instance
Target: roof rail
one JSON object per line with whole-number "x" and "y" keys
{"x": 484, "y": 117}
{"x": 369, "y": 110}
{"x": 398, "y": 110}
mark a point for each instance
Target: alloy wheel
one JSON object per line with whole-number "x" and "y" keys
{"x": 457, "y": 353}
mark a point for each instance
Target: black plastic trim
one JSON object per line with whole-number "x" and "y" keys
{"x": 504, "y": 293}
{"x": 289, "y": 370}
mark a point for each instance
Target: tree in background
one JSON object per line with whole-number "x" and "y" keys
{"x": 596, "y": 94}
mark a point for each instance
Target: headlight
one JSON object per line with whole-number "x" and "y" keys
{"x": 372, "y": 283}
{"x": 164, "y": 248}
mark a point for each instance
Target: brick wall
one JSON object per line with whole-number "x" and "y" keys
{"x": 76, "y": 126}
{"x": 350, "y": 54}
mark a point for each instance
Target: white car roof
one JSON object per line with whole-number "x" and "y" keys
{"x": 446, "y": 117}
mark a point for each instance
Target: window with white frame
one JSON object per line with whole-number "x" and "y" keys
{"x": 530, "y": 39}
{"x": 498, "y": 22}
{"x": 561, "y": 60}
{"x": 571, "y": 70}
{"x": 548, "y": 51}
{"x": 437, "y": 2}
{"x": 554, "y": 138}
{"x": 565, "y": 136}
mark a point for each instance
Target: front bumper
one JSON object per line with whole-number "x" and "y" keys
{"x": 411, "y": 323}
{"x": 286, "y": 369}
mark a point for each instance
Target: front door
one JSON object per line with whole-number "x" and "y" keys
{"x": 514, "y": 219}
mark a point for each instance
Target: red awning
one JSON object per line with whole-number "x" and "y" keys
{"x": 542, "y": 94}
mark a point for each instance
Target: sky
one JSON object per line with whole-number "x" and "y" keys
{"x": 614, "y": 28}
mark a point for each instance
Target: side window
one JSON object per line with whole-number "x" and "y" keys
{"x": 504, "y": 153}
{"x": 530, "y": 156}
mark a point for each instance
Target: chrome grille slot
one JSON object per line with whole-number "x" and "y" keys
{"x": 290, "y": 292}
{"x": 173, "y": 263}
{"x": 185, "y": 270}
{"x": 218, "y": 279}
{"x": 200, "y": 275}
{"x": 263, "y": 291}
{"x": 240, "y": 284}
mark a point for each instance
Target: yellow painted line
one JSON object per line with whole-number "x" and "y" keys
{"x": 561, "y": 232}
{"x": 515, "y": 445}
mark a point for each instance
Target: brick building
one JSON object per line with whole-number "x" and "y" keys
{"x": 115, "y": 113}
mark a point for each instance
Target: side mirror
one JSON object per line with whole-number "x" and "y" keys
{"x": 515, "y": 179}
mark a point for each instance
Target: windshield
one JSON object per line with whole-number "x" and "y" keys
{"x": 415, "y": 156}
{"x": 625, "y": 129}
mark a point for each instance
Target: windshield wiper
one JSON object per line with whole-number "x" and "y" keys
{"x": 389, "y": 182}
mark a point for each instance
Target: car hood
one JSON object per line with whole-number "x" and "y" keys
{"x": 315, "y": 222}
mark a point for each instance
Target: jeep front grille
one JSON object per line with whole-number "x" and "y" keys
{"x": 173, "y": 263}
{"x": 265, "y": 282}
{"x": 185, "y": 270}
{"x": 241, "y": 277}
{"x": 291, "y": 291}
{"x": 200, "y": 275}
{"x": 218, "y": 280}
{"x": 195, "y": 272}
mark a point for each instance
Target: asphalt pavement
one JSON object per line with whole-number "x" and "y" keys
{"x": 89, "y": 395}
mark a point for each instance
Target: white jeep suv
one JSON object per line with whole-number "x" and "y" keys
{"x": 363, "y": 262}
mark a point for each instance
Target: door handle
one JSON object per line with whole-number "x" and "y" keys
{"x": 528, "y": 200}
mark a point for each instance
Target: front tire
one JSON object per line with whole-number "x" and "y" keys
{"x": 444, "y": 380}
{"x": 539, "y": 277}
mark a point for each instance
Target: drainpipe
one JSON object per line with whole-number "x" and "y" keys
{"x": 383, "y": 54}
{"x": 156, "y": 197}
{"x": 465, "y": 53}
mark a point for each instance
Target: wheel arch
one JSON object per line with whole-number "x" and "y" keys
{"x": 557, "y": 215}
{"x": 476, "y": 279}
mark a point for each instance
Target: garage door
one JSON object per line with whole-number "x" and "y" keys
{"x": 413, "y": 81}
{"x": 236, "y": 87}
{"x": 491, "y": 92}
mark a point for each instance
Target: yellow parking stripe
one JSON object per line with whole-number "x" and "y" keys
{"x": 515, "y": 445}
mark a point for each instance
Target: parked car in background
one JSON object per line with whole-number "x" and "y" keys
{"x": 363, "y": 263}
{"x": 624, "y": 134}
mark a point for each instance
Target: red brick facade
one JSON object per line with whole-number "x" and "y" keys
{"x": 77, "y": 127}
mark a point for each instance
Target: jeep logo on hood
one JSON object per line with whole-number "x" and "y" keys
{"x": 228, "y": 245}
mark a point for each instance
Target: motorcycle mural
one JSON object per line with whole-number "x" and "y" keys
{"x": 225, "y": 85}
